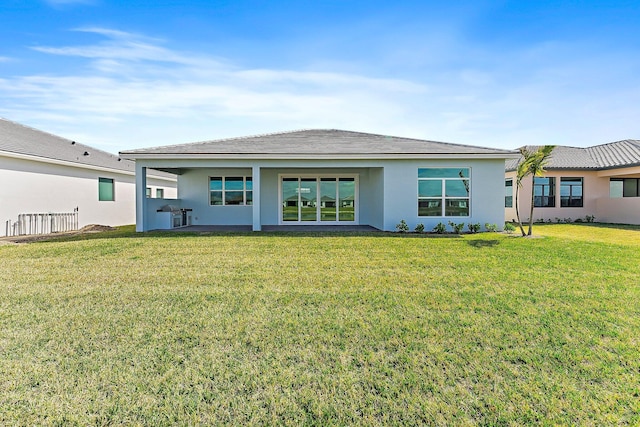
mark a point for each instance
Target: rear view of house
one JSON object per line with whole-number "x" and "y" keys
{"x": 45, "y": 178}
{"x": 601, "y": 181}
{"x": 323, "y": 177}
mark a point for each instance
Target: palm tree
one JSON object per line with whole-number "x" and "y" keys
{"x": 532, "y": 163}
{"x": 536, "y": 168}
{"x": 521, "y": 172}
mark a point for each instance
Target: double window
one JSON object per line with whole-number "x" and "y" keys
{"x": 230, "y": 190}
{"x": 159, "y": 193}
{"x": 624, "y": 187}
{"x": 106, "y": 191}
{"x": 571, "y": 193}
{"x": 443, "y": 191}
{"x": 544, "y": 195}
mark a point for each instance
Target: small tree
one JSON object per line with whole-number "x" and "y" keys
{"x": 521, "y": 173}
{"x": 536, "y": 168}
{"x": 532, "y": 164}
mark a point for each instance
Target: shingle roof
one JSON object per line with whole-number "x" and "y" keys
{"x": 317, "y": 142}
{"x": 20, "y": 139}
{"x": 606, "y": 156}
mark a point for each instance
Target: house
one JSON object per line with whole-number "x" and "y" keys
{"x": 324, "y": 177}
{"x": 601, "y": 181}
{"x": 44, "y": 174}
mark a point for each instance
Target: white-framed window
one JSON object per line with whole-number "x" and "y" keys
{"x": 106, "y": 190}
{"x": 159, "y": 193}
{"x": 148, "y": 192}
{"x": 444, "y": 192}
{"x": 319, "y": 198}
{"x": 230, "y": 190}
{"x": 508, "y": 193}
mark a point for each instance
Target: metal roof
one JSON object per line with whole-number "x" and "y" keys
{"x": 606, "y": 156}
{"x": 316, "y": 142}
{"x": 616, "y": 154}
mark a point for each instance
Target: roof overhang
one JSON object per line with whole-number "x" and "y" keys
{"x": 76, "y": 165}
{"x": 347, "y": 156}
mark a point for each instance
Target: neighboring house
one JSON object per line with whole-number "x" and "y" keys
{"x": 324, "y": 177}
{"x": 41, "y": 173}
{"x": 601, "y": 181}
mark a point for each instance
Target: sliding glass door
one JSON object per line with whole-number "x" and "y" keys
{"x": 318, "y": 199}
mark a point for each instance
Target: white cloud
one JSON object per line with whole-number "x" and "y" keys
{"x": 132, "y": 78}
{"x": 134, "y": 92}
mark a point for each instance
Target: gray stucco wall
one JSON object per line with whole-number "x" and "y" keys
{"x": 401, "y": 192}
{"x": 387, "y": 188}
{"x": 193, "y": 191}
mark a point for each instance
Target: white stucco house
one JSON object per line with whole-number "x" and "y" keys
{"x": 323, "y": 177}
{"x": 42, "y": 174}
{"x": 601, "y": 181}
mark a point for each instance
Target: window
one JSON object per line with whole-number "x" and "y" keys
{"x": 544, "y": 195}
{"x": 624, "y": 187}
{"x": 148, "y": 193}
{"x": 159, "y": 193}
{"x": 443, "y": 192}
{"x": 571, "y": 192}
{"x": 508, "y": 193}
{"x": 230, "y": 190}
{"x": 105, "y": 190}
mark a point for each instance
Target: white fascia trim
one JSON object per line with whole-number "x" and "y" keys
{"x": 77, "y": 165}
{"x": 315, "y": 156}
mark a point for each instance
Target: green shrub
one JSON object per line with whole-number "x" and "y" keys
{"x": 419, "y": 228}
{"x": 491, "y": 228}
{"x": 402, "y": 227}
{"x": 457, "y": 228}
{"x": 509, "y": 228}
{"x": 474, "y": 228}
{"x": 440, "y": 228}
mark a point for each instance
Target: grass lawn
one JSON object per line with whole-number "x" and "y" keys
{"x": 166, "y": 329}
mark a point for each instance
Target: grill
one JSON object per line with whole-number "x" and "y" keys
{"x": 179, "y": 217}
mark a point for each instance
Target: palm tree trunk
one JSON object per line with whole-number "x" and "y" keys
{"x": 533, "y": 188}
{"x": 518, "y": 210}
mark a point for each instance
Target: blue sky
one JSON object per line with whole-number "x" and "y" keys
{"x": 128, "y": 74}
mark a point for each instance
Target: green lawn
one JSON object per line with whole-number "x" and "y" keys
{"x": 168, "y": 329}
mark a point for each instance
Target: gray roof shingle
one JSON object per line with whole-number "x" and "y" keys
{"x": 606, "y": 156}
{"x": 20, "y": 139}
{"x": 317, "y": 142}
